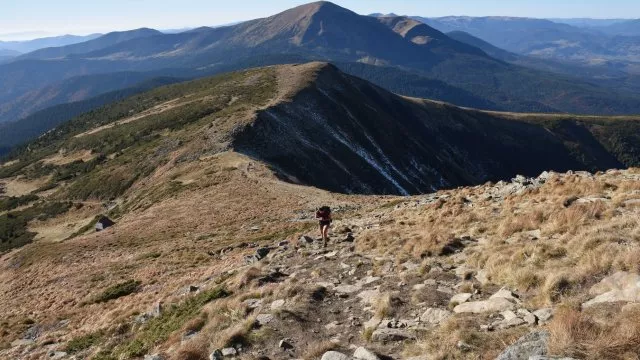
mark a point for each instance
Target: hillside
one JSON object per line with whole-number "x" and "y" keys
{"x": 326, "y": 32}
{"x": 213, "y": 252}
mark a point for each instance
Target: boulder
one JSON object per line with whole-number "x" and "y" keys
{"x": 364, "y": 354}
{"x": 228, "y": 352}
{"x": 461, "y": 298}
{"x": 489, "y": 305}
{"x": 532, "y": 344}
{"x": 277, "y": 304}
{"x": 435, "y": 316}
{"x": 543, "y": 315}
{"x": 264, "y": 319}
{"x": 619, "y": 287}
{"x": 390, "y": 335}
{"x": 505, "y": 293}
{"x": 334, "y": 355}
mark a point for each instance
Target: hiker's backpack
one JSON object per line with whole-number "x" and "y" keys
{"x": 324, "y": 212}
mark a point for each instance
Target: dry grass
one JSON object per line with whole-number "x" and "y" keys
{"x": 576, "y": 334}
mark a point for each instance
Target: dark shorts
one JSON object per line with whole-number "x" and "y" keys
{"x": 325, "y": 222}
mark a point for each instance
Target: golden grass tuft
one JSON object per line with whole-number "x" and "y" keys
{"x": 576, "y": 334}
{"x": 315, "y": 350}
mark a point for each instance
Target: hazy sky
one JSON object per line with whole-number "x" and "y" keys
{"x": 20, "y": 19}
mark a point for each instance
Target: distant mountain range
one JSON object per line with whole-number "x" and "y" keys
{"x": 54, "y": 41}
{"x": 400, "y": 53}
{"x": 615, "y": 45}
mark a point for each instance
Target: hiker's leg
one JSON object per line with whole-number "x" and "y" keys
{"x": 325, "y": 232}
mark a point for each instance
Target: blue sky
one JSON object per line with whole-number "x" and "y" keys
{"x": 32, "y": 18}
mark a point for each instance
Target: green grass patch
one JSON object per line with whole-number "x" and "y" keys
{"x": 119, "y": 290}
{"x": 13, "y": 225}
{"x": 13, "y": 202}
{"x": 173, "y": 319}
{"x": 83, "y": 342}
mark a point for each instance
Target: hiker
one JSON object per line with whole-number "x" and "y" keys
{"x": 324, "y": 217}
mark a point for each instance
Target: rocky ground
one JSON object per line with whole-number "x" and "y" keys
{"x": 536, "y": 268}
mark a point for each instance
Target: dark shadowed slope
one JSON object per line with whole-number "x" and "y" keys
{"x": 344, "y": 134}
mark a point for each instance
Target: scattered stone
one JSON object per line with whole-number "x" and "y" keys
{"x": 264, "y": 319}
{"x": 461, "y": 298}
{"x": 56, "y": 355}
{"x": 418, "y": 287}
{"x": 445, "y": 289}
{"x": 364, "y": 354}
{"x": 621, "y": 286}
{"x": 22, "y": 342}
{"x": 334, "y": 355}
{"x": 508, "y": 315}
{"x": 542, "y": 357}
{"x": 410, "y": 266}
{"x": 532, "y": 344}
{"x": 277, "y": 304}
{"x": 435, "y": 316}
{"x": 489, "y": 305}
{"x": 389, "y": 335}
{"x": 430, "y": 282}
{"x": 283, "y": 243}
{"x": 305, "y": 240}
{"x": 505, "y": 293}
{"x": 348, "y": 238}
{"x": 543, "y": 315}
{"x": 253, "y": 304}
{"x": 156, "y": 311}
{"x": 216, "y": 355}
{"x": 227, "y": 352}
{"x": 527, "y": 316}
{"x": 347, "y": 289}
{"x": 285, "y": 344}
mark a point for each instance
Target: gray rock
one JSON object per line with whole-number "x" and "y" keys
{"x": 505, "y": 293}
{"x": 56, "y": 355}
{"x": 285, "y": 344}
{"x": 252, "y": 304}
{"x": 461, "y": 298}
{"x": 277, "y": 304}
{"x": 527, "y": 316}
{"x": 347, "y": 289}
{"x": 216, "y": 355}
{"x": 264, "y": 319}
{"x": 543, "y": 315}
{"x": 334, "y": 355}
{"x": 228, "y": 352}
{"x": 389, "y": 335}
{"x": 22, "y": 342}
{"x": 482, "y": 277}
{"x": 364, "y": 354}
{"x": 435, "y": 316}
{"x": 305, "y": 240}
{"x": 489, "y": 305}
{"x": 619, "y": 287}
{"x": 542, "y": 357}
{"x": 532, "y": 344}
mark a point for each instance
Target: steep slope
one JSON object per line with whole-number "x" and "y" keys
{"x": 101, "y": 42}
{"x": 324, "y": 31}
